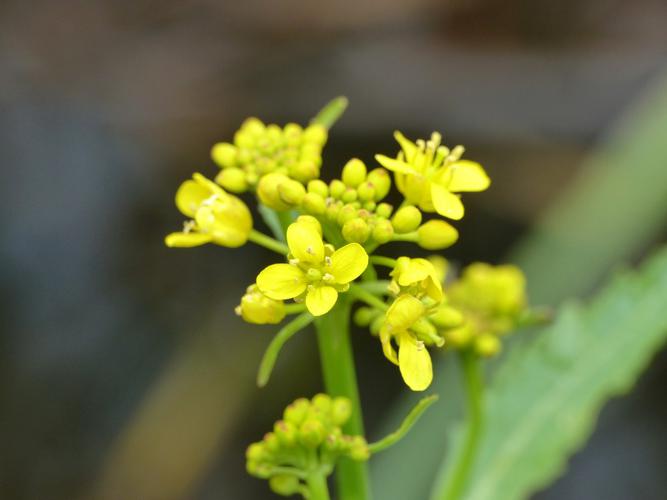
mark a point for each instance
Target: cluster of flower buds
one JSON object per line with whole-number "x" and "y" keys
{"x": 260, "y": 149}
{"x": 307, "y": 441}
{"x": 492, "y": 301}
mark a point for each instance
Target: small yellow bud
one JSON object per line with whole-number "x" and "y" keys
{"x": 384, "y": 210}
{"x": 366, "y": 192}
{"x": 232, "y": 179}
{"x": 381, "y": 181}
{"x": 349, "y": 195}
{"x": 359, "y": 449}
{"x": 255, "y": 452}
{"x": 304, "y": 170}
{"x": 446, "y": 317}
{"x": 297, "y": 411}
{"x": 383, "y": 231}
{"x": 406, "y": 219}
{"x": 285, "y": 432}
{"x": 336, "y": 188}
{"x": 312, "y": 432}
{"x": 257, "y": 308}
{"x": 436, "y": 235}
{"x": 316, "y": 134}
{"x": 370, "y": 206}
{"x": 224, "y": 154}
{"x": 318, "y": 186}
{"x": 346, "y": 213}
{"x": 333, "y": 209}
{"x": 341, "y": 409}
{"x": 356, "y": 230}
{"x": 487, "y": 345}
{"x": 291, "y": 192}
{"x": 364, "y": 315}
{"x": 314, "y": 204}
{"x": 267, "y": 191}
{"x": 354, "y": 173}
{"x": 284, "y": 484}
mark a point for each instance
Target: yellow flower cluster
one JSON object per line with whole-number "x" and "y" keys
{"x": 307, "y": 441}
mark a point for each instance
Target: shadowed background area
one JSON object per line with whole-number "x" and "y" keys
{"x": 126, "y": 374}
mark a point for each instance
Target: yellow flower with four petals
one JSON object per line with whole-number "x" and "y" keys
{"x": 316, "y": 271}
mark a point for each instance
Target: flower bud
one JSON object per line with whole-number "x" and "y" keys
{"x": 255, "y": 452}
{"x": 381, "y": 181}
{"x": 487, "y": 345}
{"x": 318, "y": 186}
{"x": 271, "y": 442}
{"x": 322, "y": 403}
{"x": 354, "y": 173}
{"x": 458, "y": 337}
{"x": 304, "y": 170}
{"x": 356, "y": 230}
{"x": 232, "y": 179}
{"x": 359, "y": 449}
{"x": 312, "y": 432}
{"x": 364, "y": 315}
{"x": 316, "y": 134}
{"x": 370, "y": 206}
{"x": 349, "y": 195}
{"x": 384, "y": 210}
{"x": 436, "y": 235}
{"x": 341, "y": 409}
{"x": 346, "y": 213}
{"x": 285, "y": 432}
{"x": 267, "y": 191}
{"x": 333, "y": 210}
{"x": 366, "y": 192}
{"x": 291, "y": 192}
{"x": 383, "y": 231}
{"x": 257, "y": 308}
{"x": 284, "y": 484}
{"x": 314, "y": 204}
{"x": 446, "y": 317}
{"x": 224, "y": 154}
{"x": 296, "y": 412}
{"x": 406, "y": 219}
{"x": 336, "y": 188}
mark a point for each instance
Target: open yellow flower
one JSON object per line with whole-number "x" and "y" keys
{"x": 217, "y": 216}
{"x": 417, "y": 276}
{"x": 429, "y": 175}
{"x": 404, "y": 316}
{"x": 315, "y": 270}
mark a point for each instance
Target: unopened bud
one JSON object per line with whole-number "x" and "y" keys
{"x": 315, "y": 133}
{"x": 354, "y": 172}
{"x": 349, "y": 195}
{"x": 458, "y": 337}
{"x": 336, "y": 188}
{"x": 341, "y": 409}
{"x": 285, "y": 432}
{"x": 359, "y": 449}
{"x": 384, "y": 210}
{"x": 296, "y": 412}
{"x": 304, "y": 170}
{"x": 446, "y": 317}
{"x": 366, "y": 192}
{"x": 257, "y": 308}
{"x": 284, "y": 484}
{"x": 232, "y": 179}
{"x": 436, "y": 235}
{"x": 312, "y": 432}
{"x": 487, "y": 345}
{"x": 346, "y": 213}
{"x": 381, "y": 181}
{"x": 314, "y": 204}
{"x": 291, "y": 192}
{"x": 406, "y": 219}
{"x": 267, "y": 191}
{"x": 383, "y": 231}
{"x": 318, "y": 186}
{"x": 224, "y": 154}
{"x": 356, "y": 230}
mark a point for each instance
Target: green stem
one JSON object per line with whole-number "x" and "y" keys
{"x": 474, "y": 385}
{"x": 380, "y": 287}
{"x": 317, "y": 486}
{"x": 383, "y": 261}
{"x": 364, "y": 295}
{"x": 268, "y": 242}
{"x": 340, "y": 379}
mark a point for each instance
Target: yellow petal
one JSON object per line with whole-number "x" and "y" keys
{"x": 394, "y": 165}
{"x": 403, "y": 313}
{"x": 348, "y": 262}
{"x": 409, "y": 148}
{"x": 320, "y": 299}
{"x": 414, "y": 271}
{"x": 446, "y": 203}
{"x": 305, "y": 242}
{"x": 387, "y": 348}
{"x": 281, "y": 281}
{"x": 208, "y": 184}
{"x": 189, "y": 197}
{"x": 186, "y": 240}
{"x": 467, "y": 175}
{"x": 414, "y": 362}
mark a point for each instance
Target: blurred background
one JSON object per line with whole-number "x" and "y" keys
{"x": 126, "y": 374}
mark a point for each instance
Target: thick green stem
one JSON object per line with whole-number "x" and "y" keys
{"x": 317, "y": 486}
{"x": 474, "y": 386}
{"x": 340, "y": 379}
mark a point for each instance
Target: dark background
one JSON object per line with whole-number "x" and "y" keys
{"x": 124, "y": 372}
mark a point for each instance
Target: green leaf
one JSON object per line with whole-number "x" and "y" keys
{"x": 272, "y": 220}
{"x": 331, "y": 112}
{"x": 544, "y": 400}
{"x": 406, "y": 425}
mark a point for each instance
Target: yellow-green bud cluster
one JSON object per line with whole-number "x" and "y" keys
{"x": 255, "y": 307}
{"x": 308, "y": 438}
{"x": 491, "y": 301}
{"x": 260, "y": 149}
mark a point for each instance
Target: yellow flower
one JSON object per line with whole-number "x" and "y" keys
{"x": 402, "y": 318}
{"x": 257, "y": 308}
{"x": 429, "y": 175}
{"x": 217, "y": 216}
{"x": 418, "y": 277}
{"x": 315, "y": 271}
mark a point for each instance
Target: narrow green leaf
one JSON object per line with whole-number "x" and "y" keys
{"x": 405, "y": 426}
{"x": 331, "y": 112}
{"x": 545, "y": 398}
{"x": 272, "y": 220}
{"x": 283, "y": 335}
